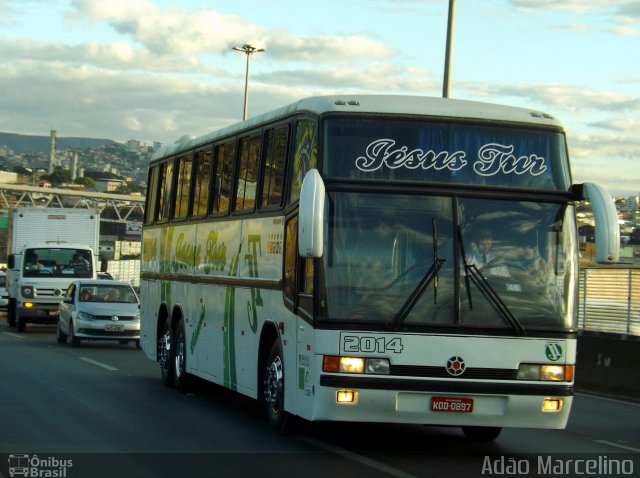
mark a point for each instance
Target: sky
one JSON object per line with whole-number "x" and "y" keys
{"x": 155, "y": 70}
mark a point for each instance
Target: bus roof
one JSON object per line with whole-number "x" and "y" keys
{"x": 374, "y": 104}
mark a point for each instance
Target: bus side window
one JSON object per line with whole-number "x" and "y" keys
{"x": 224, "y": 157}
{"x": 290, "y": 261}
{"x": 247, "y": 177}
{"x": 166, "y": 186}
{"x": 183, "y": 187}
{"x": 202, "y": 173}
{"x": 152, "y": 191}
{"x": 276, "y": 141}
{"x": 305, "y": 155}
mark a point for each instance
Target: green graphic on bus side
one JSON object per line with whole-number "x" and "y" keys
{"x": 251, "y": 259}
{"x": 228, "y": 340}
{"x": 196, "y": 333}
{"x": 186, "y": 255}
{"x": 165, "y": 249}
{"x": 215, "y": 255}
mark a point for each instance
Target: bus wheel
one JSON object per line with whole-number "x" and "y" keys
{"x": 164, "y": 356}
{"x": 182, "y": 378}
{"x": 481, "y": 433}
{"x": 273, "y": 386}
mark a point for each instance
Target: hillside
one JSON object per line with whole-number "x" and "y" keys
{"x": 22, "y": 143}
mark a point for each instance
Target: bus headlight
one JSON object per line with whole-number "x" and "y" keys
{"x": 332, "y": 363}
{"x": 545, "y": 372}
{"x": 26, "y": 291}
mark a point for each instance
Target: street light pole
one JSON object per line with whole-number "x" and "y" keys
{"x": 247, "y": 50}
{"x": 447, "y": 59}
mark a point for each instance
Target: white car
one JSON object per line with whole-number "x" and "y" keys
{"x": 99, "y": 310}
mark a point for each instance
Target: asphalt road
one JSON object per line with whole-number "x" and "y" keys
{"x": 101, "y": 410}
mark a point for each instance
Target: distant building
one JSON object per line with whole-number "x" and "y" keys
{"x": 108, "y": 185}
{"x": 7, "y": 177}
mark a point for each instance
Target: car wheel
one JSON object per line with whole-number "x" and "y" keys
{"x": 273, "y": 391}
{"x": 60, "y": 335}
{"x": 73, "y": 340}
{"x": 182, "y": 378}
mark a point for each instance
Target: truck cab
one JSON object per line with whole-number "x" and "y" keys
{"x": 39, "y": 277}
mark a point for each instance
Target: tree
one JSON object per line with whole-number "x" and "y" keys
{"x": 88, "y": 183}
{"x": 58, "y": 176}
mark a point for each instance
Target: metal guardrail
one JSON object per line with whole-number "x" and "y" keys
{"x": 609, "y": 299}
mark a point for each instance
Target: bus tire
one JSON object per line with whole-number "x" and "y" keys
{"x": 182, "y": 378}
{"x": 164, "y": 356}
{"x": 273, "y": 390}
{"x": 481, "y": 433}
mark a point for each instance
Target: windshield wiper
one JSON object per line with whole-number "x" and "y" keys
{"x": 472, "y": 273}
{"x": 429, "y": 277}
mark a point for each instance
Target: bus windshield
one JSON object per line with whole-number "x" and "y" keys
{"x": 462, "y": 154}
{"x": 495, "y": 264}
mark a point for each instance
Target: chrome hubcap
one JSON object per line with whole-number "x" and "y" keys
{"x": 273, "y": 383}
{"x": 164, "y": 346}
{"x": 179, "y": 362}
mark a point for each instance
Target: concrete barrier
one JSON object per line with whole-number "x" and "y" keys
{"x": 608, "y": 365}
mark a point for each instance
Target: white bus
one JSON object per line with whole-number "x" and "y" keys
{"x": 328, "y": 258}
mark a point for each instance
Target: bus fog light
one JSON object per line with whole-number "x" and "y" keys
{"x": 378, "y": 366}
{"x": 552, "y": 405}
{"x": 346, "y": 396}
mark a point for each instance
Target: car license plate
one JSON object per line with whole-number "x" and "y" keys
{"x": 114, "y": 328}
{"x": 452, "y": 404}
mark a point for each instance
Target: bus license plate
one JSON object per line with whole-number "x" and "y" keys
{"x": 114, "y": 328}
{"x": 452, "y": 404}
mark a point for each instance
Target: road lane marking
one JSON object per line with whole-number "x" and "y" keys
{"x": 10, "y": 334}
{"x": 99, "y": 364}
{"x": 618, "y": 445}
{"x": 363, "y": 460}
{"x": 609, "y": 399}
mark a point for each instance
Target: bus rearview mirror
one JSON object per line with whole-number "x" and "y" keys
{"x": 311, "y": 215}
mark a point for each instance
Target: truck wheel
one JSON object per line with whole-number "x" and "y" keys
{"x": 21, "y": 324}
{"x": 11, "y": 313}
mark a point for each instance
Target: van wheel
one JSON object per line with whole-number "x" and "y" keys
{"x": 273, "y": 390}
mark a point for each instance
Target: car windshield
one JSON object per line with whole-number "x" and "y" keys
{"x": 107, "y": 293}
{"x": 408, "y": 269}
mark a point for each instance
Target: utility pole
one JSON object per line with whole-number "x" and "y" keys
{"x": 447, "y": 58}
